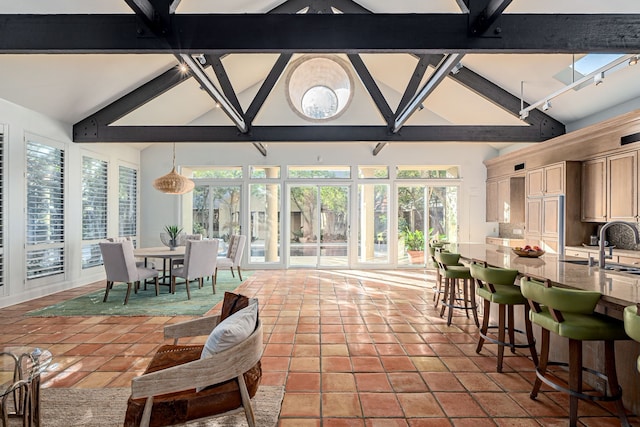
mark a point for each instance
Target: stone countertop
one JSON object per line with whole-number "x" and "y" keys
{"x": 616, "y": 251}
{"x": 618, "y": 289}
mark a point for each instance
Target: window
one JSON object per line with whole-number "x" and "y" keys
{"x": 45, "y": 210}
{"x": 222, "y": 172}
{"x": 373, "y": 172}
{"x": 1, "y": 206}
{"x": 127, "y": 202}
{"x": 265, "y": 172}
{"x": 427, "y": 172}
{"x": 94, "y": 209}
{"x": 320, "y": 172}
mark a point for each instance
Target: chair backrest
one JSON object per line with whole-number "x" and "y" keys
{"x": 560, "y": 299}
{"x": 236, "y": 249}
{"x": 118, "y": 239}
{"x": 447, "y": 258}
{"x": 119, "y": 261}
{"x": 495, "y": 276}
{"x": 232, "y": 237}
{"x": 200, "y": 258}
{"x": 631, "y": 318}
{"x": 182, "y": 238}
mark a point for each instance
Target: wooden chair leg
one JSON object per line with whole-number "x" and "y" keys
{"x": 485, "y": 325}
{"x": 544, "y": 360}
{"x": 501, "y": 331}
{"x": 474, "y": 305}
{"x": 214, "y": 279}
{"x": 445, "y": 295}
{"x": 186, "y": 283}
{"x": 246, "y": 401}
{"x": 612, "y": 376}
{"x": 126, "y": 298}
{"x": 511, "y": 328}
{"x": 232, "y": 273}
{"x": 530, "y": 340}
{"x": 465, "y": 296}
{"x": 438, "y": 288}
{"x": 452, "y": 299}
{"x": 575, "y": 379}
{"x": 173, "y": 284}
{"x": 239, "y": 273}
{"x": 157, "y": 284}
{"x": 106, "y": 291}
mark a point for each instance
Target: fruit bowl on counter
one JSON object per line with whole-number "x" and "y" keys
{"x": 529, "y": 251}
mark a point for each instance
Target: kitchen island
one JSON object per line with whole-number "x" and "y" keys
{"x": 618, "y": 291}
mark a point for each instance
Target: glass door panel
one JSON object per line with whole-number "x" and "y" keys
{"x": 318, "y": 225}
{"x": 334, "y": 226}
{"x": 303, "y": 225}
{"x": 443, "y": 213}
{"x": 216, "y": 211}
{"x": 373, "y": 227}
{"x": 412, "y": 223}
{"x": 265, "y": 222}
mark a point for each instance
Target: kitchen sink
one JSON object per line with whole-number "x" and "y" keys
{"x": 577, "y": 261}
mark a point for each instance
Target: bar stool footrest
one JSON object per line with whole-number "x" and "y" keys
{"x": 489, "y": 338}
{"x": 592, "y": 397}
{"x": 447, "y": 304}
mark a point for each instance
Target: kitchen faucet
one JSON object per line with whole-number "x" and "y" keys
{"x": 603, "y": 257}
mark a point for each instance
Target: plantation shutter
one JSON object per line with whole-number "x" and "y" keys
{"x": 45, "y": 211}
{"x": 94, "y": 210}
{"x": 128, "y": 202}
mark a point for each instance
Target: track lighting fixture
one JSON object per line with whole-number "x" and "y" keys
{"x": 598, "y": 78}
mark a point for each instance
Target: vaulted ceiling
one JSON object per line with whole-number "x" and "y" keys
{"x": 442, "y": 70}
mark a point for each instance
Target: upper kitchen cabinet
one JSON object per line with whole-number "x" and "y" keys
{"x": 505, "y": 200}
{"x": 546, "y": 181}
{"x": 610, "y": 188}
{"x": 622, "y": 187}
{"x": 594, "y": 190}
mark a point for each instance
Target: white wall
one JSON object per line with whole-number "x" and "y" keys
{"x": 160, "y": 209}
{"x": 18, "y": 121}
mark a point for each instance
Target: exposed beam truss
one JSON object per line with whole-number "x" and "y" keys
{"x": 328, "y": 33}
{"x": 488, "y": 16}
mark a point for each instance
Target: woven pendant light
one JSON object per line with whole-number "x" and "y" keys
{"x": 173, "y": 182}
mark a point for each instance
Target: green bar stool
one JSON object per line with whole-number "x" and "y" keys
{"x": 496, "y": 285}
{"x": 570, "y": 313}
{"x": 452, "y": 273}
{"x": 437, "y": 288}
{"x": 632, "y": 324}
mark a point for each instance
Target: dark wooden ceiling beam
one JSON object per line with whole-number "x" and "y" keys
{"x": 414, "y": 82}
{"x": 267, "y": 86}
{"x": 487, "y": 16}
{"x": 510, "y": 134}
{"x": 223, "y": 80}
{"x": 290, "y": 6}
{"x": 302, "y": 33}
{"x": 154, "y": 14}
{"x": 348, "y": 6}
{"x": 372, "y": 87}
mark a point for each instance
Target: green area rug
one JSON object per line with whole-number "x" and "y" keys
{"x": 146, "y": 303}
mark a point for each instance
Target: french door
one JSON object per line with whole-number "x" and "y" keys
{"x": 216, "y": 211}
{"x": 425, "y": 212}
{"x": 318, "y": 225}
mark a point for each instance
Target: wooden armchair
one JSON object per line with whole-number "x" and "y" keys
{"x": 169, "y": 390}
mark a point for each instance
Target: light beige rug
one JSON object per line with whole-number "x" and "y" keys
{"x": 66, "y": 407}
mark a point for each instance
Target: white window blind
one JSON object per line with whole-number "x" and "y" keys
{"x": 128, "y": 202}
{"x": 45, "y": 210}
{"x": 94, "y": 209}
{"x": 1, "y": 206}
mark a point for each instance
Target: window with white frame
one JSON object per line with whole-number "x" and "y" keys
{"x": 94, "y": 209}
{"x": 45, "y": 210}
{"x": 127, "y": 202}
{"x": 1, "y": 205}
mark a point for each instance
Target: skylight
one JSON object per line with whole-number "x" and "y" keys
{"x": 586, "y": 65}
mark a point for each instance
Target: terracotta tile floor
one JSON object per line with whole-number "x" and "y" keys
{"x": 352, "y": 348}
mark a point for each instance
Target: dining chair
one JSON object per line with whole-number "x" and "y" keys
{"x": 120, "y": 266}
{"x": 199, "y": 262}
{"x": 182, "y": 241}
{"x": 233, "y": 258}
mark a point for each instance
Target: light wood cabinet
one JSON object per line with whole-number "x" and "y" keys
{"x": 492, "y": 201}
{"x": 610, "y": 188}
{"x": 546, "y": 181}
{"x": 550, "y": 217}
{"x": 505, "y": 200}
{"x": 622, "y": 187}
{"x": 533, "y": 224}
{"x": 594, "y": 194}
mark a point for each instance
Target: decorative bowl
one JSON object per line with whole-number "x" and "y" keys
{"x": 529, "y": 254}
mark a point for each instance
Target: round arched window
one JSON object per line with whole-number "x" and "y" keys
{"x": 319, "y": 87}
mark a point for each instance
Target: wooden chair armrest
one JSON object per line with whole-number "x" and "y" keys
{"x": 191, "y": 328}
{"x": 221, "y": 367}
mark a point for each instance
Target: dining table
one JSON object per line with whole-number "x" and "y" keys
{"x": 161, "y": 252}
